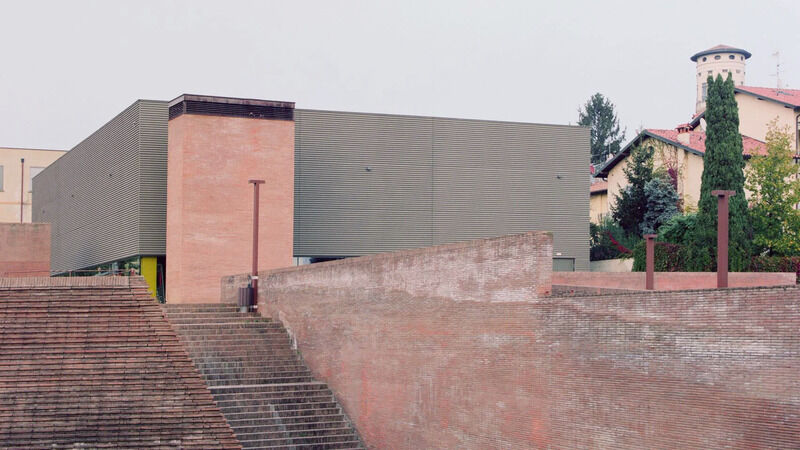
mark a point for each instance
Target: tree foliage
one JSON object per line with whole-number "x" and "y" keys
{"x": 631, "y": 204}
{"x": 606, "y": 136}
{"x": 722, "y": 170}
{"x": 609, "y": 241}
{"x": 662, "y": 203}
{"x": 678, "y": 230}
{"x": 775, "y": 191}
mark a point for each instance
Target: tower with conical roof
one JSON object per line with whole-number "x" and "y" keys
{"x": 720, "y": 59}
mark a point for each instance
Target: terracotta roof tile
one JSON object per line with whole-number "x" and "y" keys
{"x": 92, "y": 362}
{"x": 598, "y": 186}
{"x": 697, "y": 141}
{"x": 786, "y": 96}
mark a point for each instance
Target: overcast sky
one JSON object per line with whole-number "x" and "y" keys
{"x": 67, "y": 67}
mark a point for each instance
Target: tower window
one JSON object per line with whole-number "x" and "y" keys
{"x": 731, "y": 57}
{"x": 738, "y": 71}
{"x": 717, "y": 57}
{"x": 709, "y": 72}
{"x": 704, "y": 59}
{"x": 725, "y": 70}
{"x": 705, "y": 91}
{"x": 742, "y": 58}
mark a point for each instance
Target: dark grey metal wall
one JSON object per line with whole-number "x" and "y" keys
{"x": 364, "y": 183}
{"x": 106, "y": 198}
{"x": 368, "y": 183}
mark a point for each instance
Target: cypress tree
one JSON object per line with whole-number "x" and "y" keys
{"x": 723, "y": 168}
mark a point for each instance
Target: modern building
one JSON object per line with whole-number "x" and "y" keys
{"x": 163, "y": 187}
{"x": 681, "y": 149}
{"x": 18, "y": 166}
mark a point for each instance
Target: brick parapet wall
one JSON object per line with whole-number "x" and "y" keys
{"x": 508, "y": 268}
{"x": 681, "y": 369}
{"x": 24, "y": 249}
{"x": 453, "y": 369}
{"x": 671, "y": 281}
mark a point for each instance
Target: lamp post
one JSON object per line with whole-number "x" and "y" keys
{"x": 21, "y": 190}
{"x": 722, "y": 236}
{"x": 254, "y": 275}
{"x": 649, "y": 280}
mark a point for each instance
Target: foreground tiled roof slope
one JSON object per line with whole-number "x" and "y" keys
{"x": 98, "y": 366}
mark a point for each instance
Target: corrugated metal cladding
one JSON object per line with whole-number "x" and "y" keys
{"x": 369, "y": 183}
{"x": 106, "y": 198}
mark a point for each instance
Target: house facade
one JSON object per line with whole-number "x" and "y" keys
{"x": 680, "y": 150}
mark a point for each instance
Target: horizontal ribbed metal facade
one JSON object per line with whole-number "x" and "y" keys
{"x": 364, "y": 183}
{"x": 106, "y": 198}
{"x": 369, "y": 183}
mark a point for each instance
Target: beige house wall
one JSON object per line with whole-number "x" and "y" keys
{"x": 598, "y": 206}
{"x": 10, "y": 185}
{"x": 755, "y": 116}
{"x": 690, "y": 173}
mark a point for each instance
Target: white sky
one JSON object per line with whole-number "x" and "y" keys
{"x": 67, "y": 67}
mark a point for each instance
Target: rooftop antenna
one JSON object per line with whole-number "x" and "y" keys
{"x": 777, "y": 73}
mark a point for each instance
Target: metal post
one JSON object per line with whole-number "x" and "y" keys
{"x": 254, "y": 275}
{"x": 21, "y": 190}
{"x": 649, "y": 280}
{"x": 722, "y": 236}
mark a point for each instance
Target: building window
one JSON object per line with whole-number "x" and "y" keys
{"x": 725, "y": 70}
{"x": 742, "y": 57}
{"x": 709, "y": 72}
{"x": 731, "y": 57}
{"x": 705, "y": 91}
{"x": 1, "y": 178}
{"x": 717, "y": 57}
{"x": 738, "y": 71}
{"x": 34, "y": 171}
{"x": 704, "y": 59}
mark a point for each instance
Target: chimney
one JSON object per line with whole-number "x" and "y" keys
{"x": 684, "y": 134}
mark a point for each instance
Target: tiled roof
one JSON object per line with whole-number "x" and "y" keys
{"x": 696, "y": 144}
{"x": 598, "y": 186}
{"x": 789, "y": 97}
{"x": 697, "y": 141}
{"x": 98, "y": 366}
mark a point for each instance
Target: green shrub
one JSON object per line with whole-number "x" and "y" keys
{"x": 609, "y": 241}
{"x": 668, "y": 257}
{"x": 678, "y": 229}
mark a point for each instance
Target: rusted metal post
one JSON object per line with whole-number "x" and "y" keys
{"x": 722, "y": 236}
{"x": 649, "y": 279}
{"x": 21, "y": 190}
{"x": 254, "y": 275}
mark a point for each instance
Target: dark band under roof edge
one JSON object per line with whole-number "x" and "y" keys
{"x": 230, "y": 107}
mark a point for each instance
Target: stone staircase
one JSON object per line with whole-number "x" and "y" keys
{"x": 93, "y": 363}
{"x": 260, "y": 383}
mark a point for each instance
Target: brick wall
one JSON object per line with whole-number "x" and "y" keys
{"x": 508, "y": 268}
{"x": 210, "y": 203}
{"x": 24, "y": 249}
{"x": 681, "y": 369}
{"x": 672, "y": 281}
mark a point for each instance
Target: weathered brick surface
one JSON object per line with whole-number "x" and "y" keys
{"x": 210, "y": 203}
{"x": 701, "y": 369}
{"x": 680, "y": 369}
{"x": 24, "y": 249}
{"x": 672, "y": 281}
{"x": 508, "y": 268}
{"x": 95, "y": 364}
